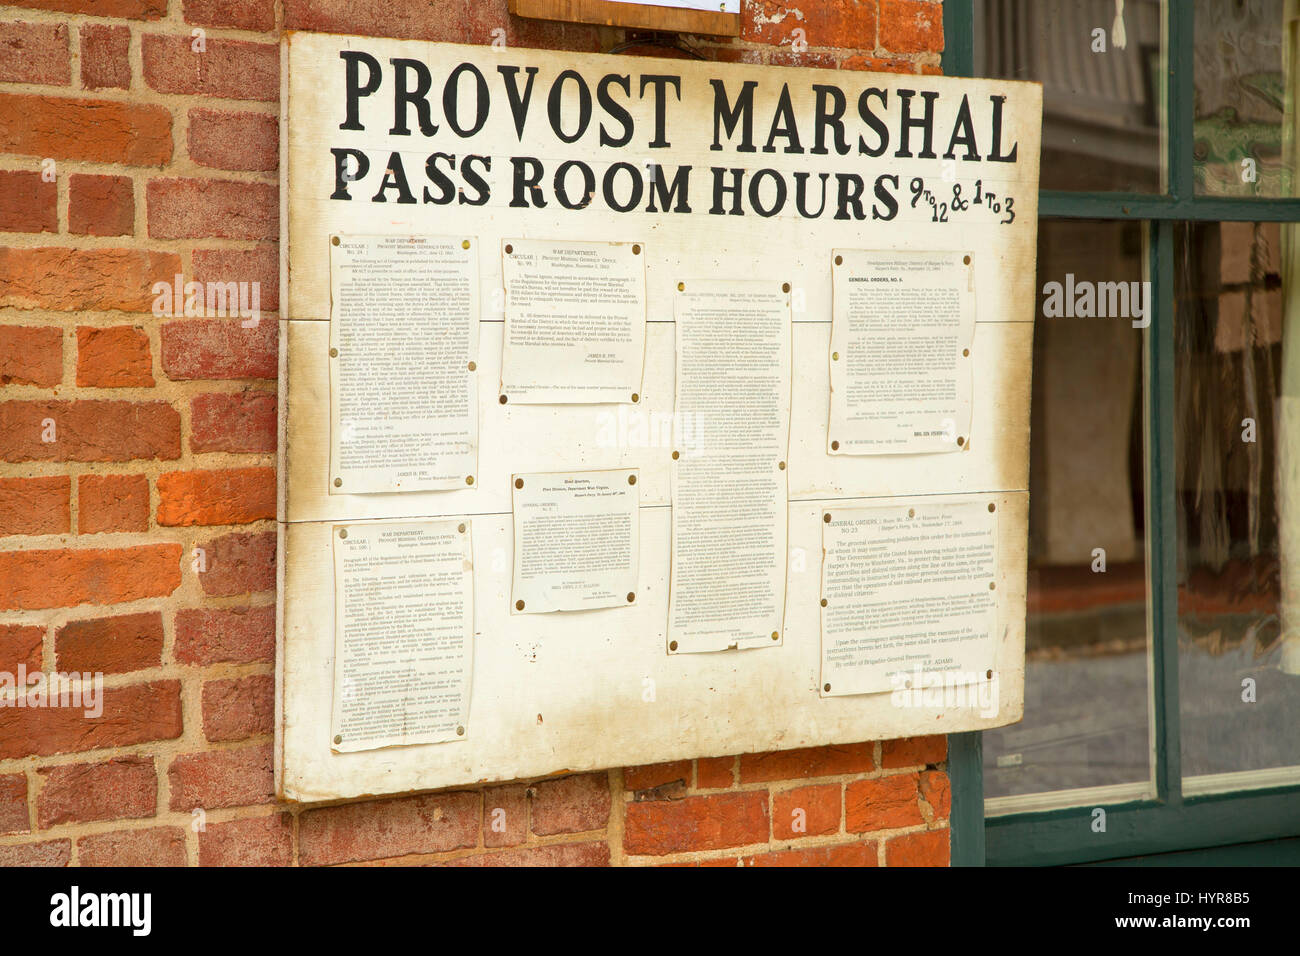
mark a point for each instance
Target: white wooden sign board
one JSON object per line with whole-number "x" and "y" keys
{"x": 591, "y": 689}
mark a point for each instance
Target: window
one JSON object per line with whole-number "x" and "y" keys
{"x": 1163, "y": 641}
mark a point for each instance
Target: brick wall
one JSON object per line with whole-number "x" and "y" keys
{"x": 137, "y": 472}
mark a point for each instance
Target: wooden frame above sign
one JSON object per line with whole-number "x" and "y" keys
{"x": 711, "y": 17}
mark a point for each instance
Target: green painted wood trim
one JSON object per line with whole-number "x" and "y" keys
{"x": 966, "y": 820}
{"x": 965, "y": 751}
{"x": 1265, "y": 853}
{"x": 1162, "y": 518}
{"x": 1180, "y": 104}
{"x": 1067, "y": 836}
{"x": 958, "y": 38}
{"x": 1070, "y": 205}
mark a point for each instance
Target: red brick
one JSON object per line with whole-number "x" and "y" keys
{"x": 833, "y": 23}
{"x": 241, "y": 635}
{"x": 716, "y": 861}
{"x": 852, "y": 854}
{"x": 35, "y": 53}
{"x": 239, "y": 563}
{"x": 114, "y": 357}
{"x": 882, "y": 804}
{"x": 89, "y": 430}
{"x": 911, "y": 26}
{"x": 132, "y": 715}
{"x": 111, "y": 645}
{"x": 257, "y": 841}
{"x": 713, "y": 773}
{"x": 571, "y": 804}
{"x": 101, "y": 205}
{"x": 410, "y": 19}
{"x": 28, "y": 203}
{"x": 233, "y": 69}
{"x": 105, "y": 56}
{"x": 227, "y": 140}
{"x": 505, "y": 815}
{"x": 713, "y": 822}
{"x": 76, "y": 280}
{"x": 913, "y": 751}
{"x": 877, "y": 64}
{"x": 229, "y": 496}
{"x": 21, "y": 644}
{"x": 484, "y": 16}
{"x": 428, "y": 823}
{"x": 32, "y": 580}
{"x": 98, "y": 131}
{"x": 233, "y": 422}
{"x": 112, "y": 503}
{"x": 202, "y": 208}
{"x": 118, "y": 9}
{"x": 119, "y": 789}
{"x": 35, "y": 505}
{"x": 260, "y": 265}
{"x": 237, "y": 708}
{"x": 31, "y": 355}
{"x": 48, "y": 853}
{"x": 222, "y": 778}
{"x": 653, "y": 775}
{"x": 808, "y": 59}
{"x": 820, "y": 811}
{"x": 560, "y": 854}
{"x": 219, "y": 349}
{"x": 157, "y": 846}
{"x": 240, "y": 14}
{"x": 13, "y": 804}
{"x": 807, "y": 762}
{"x": 930, "y": 848}
{"x": 937, "y": 792}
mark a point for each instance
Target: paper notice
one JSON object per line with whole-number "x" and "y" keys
{"x": 576, "y": 540}
{"x": 403, "y": 341}
{"x": 403, "y": 631}
{"x": 732, "y": 433}
{"x": 901, "y": 331}
{"x": 907, "y": 595}
{"x": 575, "y": 321}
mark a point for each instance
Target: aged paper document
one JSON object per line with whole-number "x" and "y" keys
{"x": 403, "y": 634}
{"x": 576, "y": 540}
{"x": 575, "y": 321}
{"x": 732, "y": 424}
{"x": 908, "y": 593}
{"x": 403, "y": 340}
{"x": 902, "y": 324}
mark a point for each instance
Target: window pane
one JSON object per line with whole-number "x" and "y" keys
{"x": 1237, "y": 387}
{"x": 1101, "y": 79}
{"x": 1243, "y": 79}
{"x": 1086, "y": 675}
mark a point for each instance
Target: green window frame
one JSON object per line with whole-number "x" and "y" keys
{"x": 1172, "y": 821}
